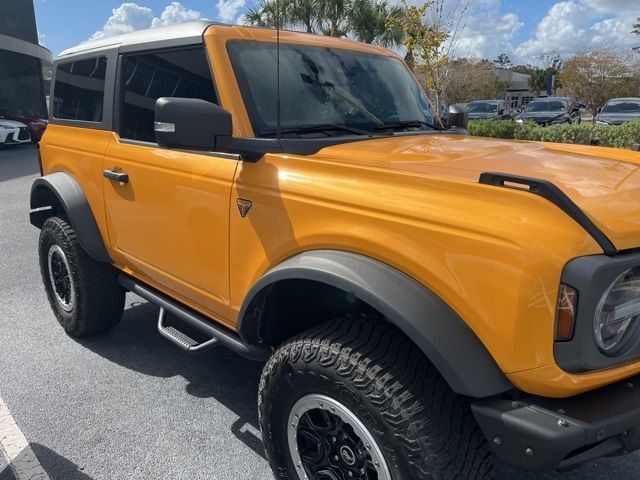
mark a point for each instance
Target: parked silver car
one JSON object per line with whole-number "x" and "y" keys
{"x": 618, "y": 111}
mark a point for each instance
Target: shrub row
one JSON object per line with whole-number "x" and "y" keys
{"x": 622, "y": 136}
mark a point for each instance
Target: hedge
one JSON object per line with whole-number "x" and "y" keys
{"x": 622, "y": 136}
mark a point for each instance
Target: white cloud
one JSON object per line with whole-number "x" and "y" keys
{"x": 573, "y": 25}
{"x": 127, "y": 18}
{"x": 130, "y": 17}
{"x": 487, "y": 31}
{"x": 487, "y": 36}
{"x": 176, "y": 13}
{"x": 228, "y": 10}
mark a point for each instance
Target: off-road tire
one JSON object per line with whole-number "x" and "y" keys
{"x": 98, "y": 300}
{"x": 424, "y": 429}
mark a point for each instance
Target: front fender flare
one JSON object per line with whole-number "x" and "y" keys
{"x": 61, "y": 191}
{"x": 445, "y": 339}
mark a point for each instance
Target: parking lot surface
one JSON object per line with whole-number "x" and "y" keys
{"x": 128, "y": 404}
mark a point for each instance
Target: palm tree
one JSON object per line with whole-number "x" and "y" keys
{"x": 366, "y": 20}
{"x": 305, "y": 13}
{"x": 370, "y": 22}
{"x": 538, "y": 81}
{"x": 334, "y": 17}
{"x": 264, "y": 14}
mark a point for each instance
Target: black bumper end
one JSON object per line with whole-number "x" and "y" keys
{"x": 542, "y": 434}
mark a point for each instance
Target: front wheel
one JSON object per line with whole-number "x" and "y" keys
{"x": 355, "y": 399}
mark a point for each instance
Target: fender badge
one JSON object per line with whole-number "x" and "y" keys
{"x": 244, "y": 206}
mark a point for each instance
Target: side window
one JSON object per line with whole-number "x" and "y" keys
{"x": 79, "y": 90}
{"x": 149, "y": 76}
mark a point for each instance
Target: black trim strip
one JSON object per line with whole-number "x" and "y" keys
{"x": 551, "y": 192}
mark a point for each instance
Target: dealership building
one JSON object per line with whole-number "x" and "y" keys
{"x": 25, "y": 66}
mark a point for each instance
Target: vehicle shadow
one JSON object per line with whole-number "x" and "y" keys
{"x": 56, "y": 466}
{"x": 18, "y": 161}
{"x": 136, "y": 344}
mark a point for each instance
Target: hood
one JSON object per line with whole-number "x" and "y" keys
{"x": 617, "y": 118}
{"x": 482, "y": 115}
{"x": 603, "y": 182}
{"x": 542, "y": 117}
{"x": 11, "y": 123}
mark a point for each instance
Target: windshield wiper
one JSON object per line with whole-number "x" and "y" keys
{"x": 407, "y": 124}
{"x": 322, "y": 127}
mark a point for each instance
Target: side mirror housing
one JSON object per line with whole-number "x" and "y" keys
{"x": 599, "y": 110}
{"x": 458, "y": 117}
{"x": 192, "y": 124}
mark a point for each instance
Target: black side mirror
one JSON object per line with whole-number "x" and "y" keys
{"x": 192, "y": 124}
{"x": 599, "y": 110}
{"x": 458, "y": 117}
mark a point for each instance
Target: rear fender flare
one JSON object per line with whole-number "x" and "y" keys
{"x": 61, "y": 191}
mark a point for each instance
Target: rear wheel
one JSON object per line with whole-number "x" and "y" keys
{"x": 355, "y": 399}
{"x": 84, "y": 293}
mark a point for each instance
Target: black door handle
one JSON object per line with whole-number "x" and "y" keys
{"x": 116, "y": 176}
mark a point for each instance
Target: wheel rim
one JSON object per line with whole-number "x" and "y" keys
{"x": 60, "y": 278}
{"x": 328, "y": 442}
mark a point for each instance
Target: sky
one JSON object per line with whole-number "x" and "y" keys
{"x": 524, "y": 29}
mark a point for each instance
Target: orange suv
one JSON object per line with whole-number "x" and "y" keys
{"x": 425, "y": 301}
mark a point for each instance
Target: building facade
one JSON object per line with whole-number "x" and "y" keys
{"x": 23, "y": 62}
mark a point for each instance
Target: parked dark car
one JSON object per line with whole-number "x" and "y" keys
{"x": 550, "y": 111}
{"x": 618, "y": 111}
{"x": 489, "y": 110}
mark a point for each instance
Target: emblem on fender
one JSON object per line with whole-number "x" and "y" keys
{"x": 244, "y": 206}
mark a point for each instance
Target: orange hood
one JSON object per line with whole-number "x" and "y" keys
{"x": 603, "y": 182}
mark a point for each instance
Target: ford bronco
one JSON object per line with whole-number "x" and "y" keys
{"x": 427, "y": 303}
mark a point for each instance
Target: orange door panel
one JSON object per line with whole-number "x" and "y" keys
{"x": 169, "y": 223}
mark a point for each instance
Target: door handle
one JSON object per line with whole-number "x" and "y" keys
{"x": 116, "y": 176}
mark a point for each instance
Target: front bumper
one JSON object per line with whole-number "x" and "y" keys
{"x": 14, "y": 136}
{"x": 542, "y": 434}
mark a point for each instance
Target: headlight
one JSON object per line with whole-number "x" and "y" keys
{"x": 601, "y": 122}
{"x": 519, "y": 120}
{"x": 618, "y": 315}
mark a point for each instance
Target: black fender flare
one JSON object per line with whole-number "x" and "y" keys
{"x": 61, "y": 190}
{"x": 446, "y": 340}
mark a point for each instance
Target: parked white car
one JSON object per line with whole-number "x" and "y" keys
{"x": 13, "y": 133}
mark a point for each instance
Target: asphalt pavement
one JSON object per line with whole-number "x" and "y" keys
{"x": 128, "y": 404}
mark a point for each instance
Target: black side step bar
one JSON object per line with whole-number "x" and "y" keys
{"x": 218, "y": 335}
{"x": 551, "y": 192}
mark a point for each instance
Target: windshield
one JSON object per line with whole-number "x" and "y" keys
{"x": 626, "y": 106}
{"x": 483, "y": 107}
{"x": 325, "y": 86}
{"x": 546, "y": 106}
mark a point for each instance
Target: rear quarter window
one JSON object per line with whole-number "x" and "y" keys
{"x": 79, "y": 90}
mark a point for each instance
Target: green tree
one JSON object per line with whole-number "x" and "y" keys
{"x": 503, "y": 62}
{"x": 595, "y": 76}
{"x": 372, "y": 22}
{"x": 538, "y": 81}
{"x": 365, "y": 20}
{"x": 431, "y": 33}
{"x": 265, "y": 14}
